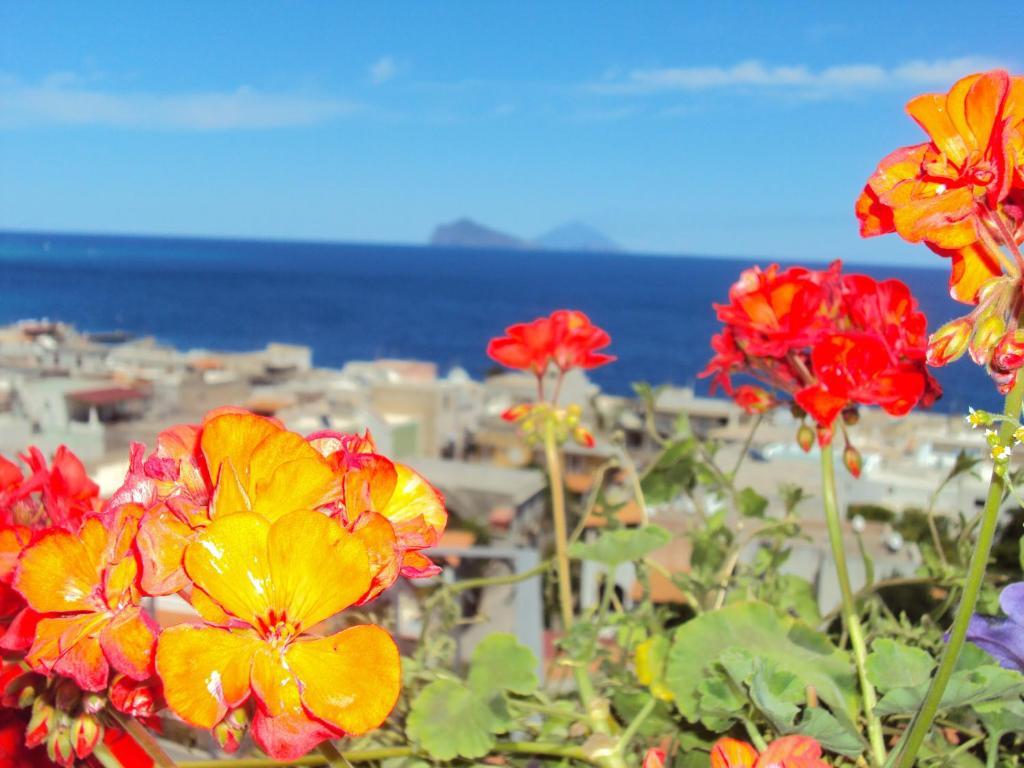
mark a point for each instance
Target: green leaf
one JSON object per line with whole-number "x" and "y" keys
{"x": 613, "y": 548}
{"x": 720, "y": 703}
{"x": 777, "y": 694}
{"x": 765, "y": 633}
{"x": 672, "y": 474}
{"x": 1021, "y": 543}
{"x": 449, "y": 720}
{"x": 1001, "y": 716}
{"x": 501, "y": 663}
{"x": 794, "y": 593}
{"x": 968, "y": 686}
{"x": 894, "y": 665}
{"x": 834, "y": 736}
{"x": 739, "y": 664}
{"x": 751, "y": 503}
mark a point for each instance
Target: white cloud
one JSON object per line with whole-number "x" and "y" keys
{"x": 753, "y": 73}
{"x": 382, "y": 70}
{"x": 66, "y": 99}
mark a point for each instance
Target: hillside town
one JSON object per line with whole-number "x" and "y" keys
{"x": 97, "y": 392}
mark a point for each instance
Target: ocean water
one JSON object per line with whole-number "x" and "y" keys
{"x": 351, "y": 301}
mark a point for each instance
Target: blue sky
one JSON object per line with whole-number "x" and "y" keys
{"x": 714, "y": 128}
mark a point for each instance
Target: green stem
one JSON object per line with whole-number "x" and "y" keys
{"x": 754, "y": 735}
{"x": 143, "y": 738}
{"x": 851, "y": 619}
{"x": 922, "y": 721}
{"x": 634, "y": 726}
{"x": 561, "y": 534}
{"x": 491, "y": 581}
{"x": 550, "y": 711}
{"x": 334, "y": 758}
{"x": 992, "y": 749}
{"x": 597, "y": 710}
{"x": 384, "y": 753}
{"x": 106, "y": 758}
{"x": 746, "y": 445}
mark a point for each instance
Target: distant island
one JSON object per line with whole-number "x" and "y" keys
{"x": 571, "y": 236}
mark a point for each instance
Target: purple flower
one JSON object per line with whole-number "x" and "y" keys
{"x": 1003, "y": 638}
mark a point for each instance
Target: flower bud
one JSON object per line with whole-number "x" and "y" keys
{"x": 231, "y": 729}
{"x": 949, "y": 342}
{"x": 135, "y": 698}
{"x": 825, "y": 435}
{"x": 1004, "y": 380}
{"x": 851, "y": 416}
{"x": 40, "y": 723}
{"x": 853, "y": 460}
{"x": 85, "y": 733}
{"x": 93, "y": 703}
{"x": 516, "y": 413}
{"x": 238, "y": 718}
{"x": 987, "y": 333}
{"x": 59, "y": 749}
{"x": 228, "y": 738}
{"x": 1009, "y": 352}
{"x": 978, "y": 418}
{"x": 654, "y": 758}
{"x": 753, "y": 400}
{"x": 21, "y": 692}
{"x": 805, "y": 437}
{"x": 582, "y": 436}
{"x": 573, "y": 414}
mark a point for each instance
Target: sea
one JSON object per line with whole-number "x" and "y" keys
{"x": 361, "y": 302}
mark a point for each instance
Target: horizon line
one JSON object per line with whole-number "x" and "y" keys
{"x": 426, "y": 246}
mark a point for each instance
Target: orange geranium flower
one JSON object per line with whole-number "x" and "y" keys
{"x": 949, "y": 192}
{"x": 235, "y": 462}
{"x": 239, "y": 461}
{"x": 275, "y": 580}
{"x": 786, "y": 752}
{"x": 82, "y": 588}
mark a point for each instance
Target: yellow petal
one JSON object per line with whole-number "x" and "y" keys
{"x": 205, "y": 671}
{"x": 228, "y": 560}
{"x": 229, "y": 496}
{"x": 60, "y": 572}
{"x": 415, "y": 509}
{"x": 273, "y": 683}
{"x": 317, "y": 567}
{"x": 350, "y": 679}
{"x": 300, "y": 484}
{"x": 233, "y": 437}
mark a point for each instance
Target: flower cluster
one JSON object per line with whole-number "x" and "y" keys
{"x": 46, "y": 716}
{"x": 267, "y": 535}
{"x": 785, "y": 752}
{"x": 962, "y": 194}
{"x": 825, "y": 341}
{"x": 564, "y": 340}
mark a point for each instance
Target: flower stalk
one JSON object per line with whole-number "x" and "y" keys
{"x": 924, "y": 717}
{"x": 144, "y": 739}
{"x": 597, "y": 710}
{"x": 851, "y": 619}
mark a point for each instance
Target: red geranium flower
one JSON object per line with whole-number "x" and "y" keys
{"x": 566, "y": 338}
{"x": 825, "y": 340}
